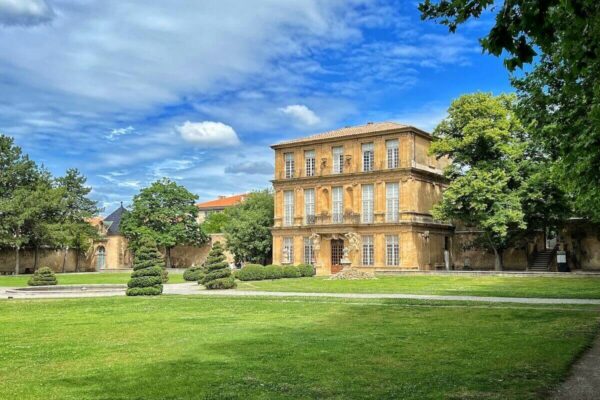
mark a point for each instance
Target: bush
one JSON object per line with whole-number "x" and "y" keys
{"x": 148, "y": 275}
{"x": 218, "y": 273}
{"x": 273, "y": 272}
{"x": 165, "y": 276}
{"x": 251, "y": 272}
{"x": 290, "y": 271}
{"x": 306, "y": 270}
{"x": 194, "y": 274}
{"x": 43, "y": 277}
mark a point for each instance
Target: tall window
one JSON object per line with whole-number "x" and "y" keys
{"x": 367, "y": 250}
{"x": 309, "y": 206}
{"x": 368, "y": 156}
{"x": 392, "y": 253}
{"x": 337, "y": 194}
{"x": 101, "y": 258}
{"x": 392, "y": 153}
{"x": 288, "y": 207}
{"x": 391, "y": 201}
{"x": 309, "y": 255}
{"x": 367, "y": 204}
{"x": 338, "y": 159}
{"x": 309, "y": 162}
{"x": 287, "y": 251}
{"x": 289, "y": 165}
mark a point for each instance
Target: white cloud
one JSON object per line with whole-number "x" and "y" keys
{"x": 120, "y": 132}
{"x": 251, "y": 168}
{"x": 208, "y": 133}
{"x": 301, "y": 113}
{"x": 25, "y": 12}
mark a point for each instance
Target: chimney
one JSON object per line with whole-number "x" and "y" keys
{"x": 221, "y": 197}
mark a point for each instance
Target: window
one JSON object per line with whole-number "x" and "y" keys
{"x": 338, "y": 204}
{"x": 288, "y": 207}
{"x": 101, "y": 258}
{"x": 287, "y": 256}
{"x": 289, "y": 165}
{"x": 367, "y": 204}
{"x": 392, "y": 153}
{"x": 338, "y": 159}
{"x": 368, "y": 156}
{"x": 309, "y": 255}
{"x": 309, "y": 162}
{"x": 367, "y": 250}
{"x": 392, "y": 253}
{"x": 391, "y": 202}
{"x": 309, "y": 206}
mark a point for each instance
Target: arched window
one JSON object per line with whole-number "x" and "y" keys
{"x": 101, "y": 258}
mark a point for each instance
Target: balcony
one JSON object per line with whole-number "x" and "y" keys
{"x": 310, "y": 219}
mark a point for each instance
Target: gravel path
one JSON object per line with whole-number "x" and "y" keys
{"x": 584, "y": 380}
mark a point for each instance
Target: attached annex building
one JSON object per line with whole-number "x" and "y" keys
{"x": 368, "y": 188}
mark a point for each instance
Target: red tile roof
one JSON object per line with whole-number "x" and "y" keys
{"x": 223, "y": 201}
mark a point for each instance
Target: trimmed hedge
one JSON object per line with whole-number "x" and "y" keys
{"x": 145, "y": 291}
{"x": 255, "y": 272}
{"x": 221, "y": 283}
{"x": 218, "y": 275}
{"x": 251, "y": 272}
{"x": 148, "y": 275}
{"x": 273, "y": 272}
{"x": 43, "y": 277}
{"x": 194, "y": 274}
{"x": 306, "y": 270}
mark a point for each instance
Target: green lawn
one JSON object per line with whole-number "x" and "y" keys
{"x": 83, "y": 279}
{"x": 175, "y": 347}
{"x": 503, "y": 286}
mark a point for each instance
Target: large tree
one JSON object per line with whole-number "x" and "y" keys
{"x": 248, "y": 230}
{"x": 495, "y": 184}
{"x": 560, "y": 95}
{"x": 166, "y": 212}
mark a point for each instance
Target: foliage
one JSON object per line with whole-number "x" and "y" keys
{"x": 218, "y": 274}
{"x": 256, "y": 272}
{"x": 166, "y": 212}
{"x": 290, "y": 271}
{"x": 195, "y": 273}
{"x": 43, "y": 277}
{"x": 248, "y": 232}
{"x": 215, "y": 222}
{"x": 146, "y": 278}
{"x": 273, "y": 272}
{"x": 560, "y": 94}
{"x": 251, "y": 272}
{"x": 306, "y": 270}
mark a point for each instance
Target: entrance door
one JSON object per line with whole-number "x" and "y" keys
{"x": 101, "y": 258}
{"x": 337, "y": 252}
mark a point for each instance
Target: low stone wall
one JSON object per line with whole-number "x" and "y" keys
{"x": 52, "y": 258}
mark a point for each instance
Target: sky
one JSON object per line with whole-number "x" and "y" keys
{"x": 130, "y": 91}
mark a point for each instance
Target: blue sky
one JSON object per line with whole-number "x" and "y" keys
{"x": 129, "y": 91}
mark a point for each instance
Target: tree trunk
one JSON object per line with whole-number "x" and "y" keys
{"x": 36, "y": 257}
{"x": 17, "y": 260}
{"x": 168, "y": 256}
{"x": 498, "y": 263}
{"x": 64, "y": 264}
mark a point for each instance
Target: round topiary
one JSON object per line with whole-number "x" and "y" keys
{"x": 194, "y": 274}
{"x": 306, "y": 270}
{"x": 251, "y": 272}
{"x": 273, "y": 272}
{"x": 147, "y": 276}
{"x": 218, "y": 274}
{"x": 290, "y": 271}
{"x": 43, "y": 277}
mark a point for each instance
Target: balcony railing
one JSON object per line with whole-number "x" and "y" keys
{"x": 310, "y": 219}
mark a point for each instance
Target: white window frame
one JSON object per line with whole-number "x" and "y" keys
{"x": 309, "y": 206}
{"x": 337, "y": 153}
{"x": 368, "y": 250}
{"x": 288, "y": 242}
{"x": 368, "y": 201}
{"x": 309, "y": 251}
{"x": 392, "y": 201}
{"x": 393, "y": 157}
{"x": 289, "y": 165}
{"x": 392, "y": 251}
{"x": 288, "y": 207}
{"x": 309, "y": 162}
{"x": 337, "y": 201}
{"x": 368, "y": 156}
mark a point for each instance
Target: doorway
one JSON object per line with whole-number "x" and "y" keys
{"x": 101, "y": 258}
{"x": 337, "y": 252}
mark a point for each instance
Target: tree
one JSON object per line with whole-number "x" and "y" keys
{"x": 166, "y": 212}
{"x": 218, "y": 274}
{"x": 215, "y": 222}
{"x": 560, "y": 96}
{"x": 495, "y": 173}
{"x": 248, "y": 231}
{"x": 146, "y": 278}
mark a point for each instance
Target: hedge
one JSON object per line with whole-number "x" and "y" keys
{"x": 194, "y": 274}
{"x": 290, "y": 271}
{"x": 255, "y": 272}
{"x": 43, "y": 277}
{"x": 251, "y": 272}
{"x": 306, "y": 270}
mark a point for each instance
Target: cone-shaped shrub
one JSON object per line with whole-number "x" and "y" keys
{"x": 195, "y": 273}
{"x": 42, "y": 277}
{"x": 147, "y": 275}
{"x": 218, "y": 274}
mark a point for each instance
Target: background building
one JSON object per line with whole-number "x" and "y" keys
{"x": 218, "y": 205}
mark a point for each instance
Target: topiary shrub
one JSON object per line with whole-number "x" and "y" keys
{"x": 147, "y": 276}
{"x": 43, "y": 277}
{"x": 194, "y": 274}
{"x": 273, "y": 272}
{"x": 251, "y": 272}
{"x": 306, "y": 270}
{"x": 218, "y": 274}
{"x": 290, "y": 271}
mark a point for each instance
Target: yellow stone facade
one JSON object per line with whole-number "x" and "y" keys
{"x": 416, "y": 177}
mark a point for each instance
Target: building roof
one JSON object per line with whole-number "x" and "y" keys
{"x": 222, "y": 202}
{"x": 371, "y": 127}
{"x": 113, "y": 221}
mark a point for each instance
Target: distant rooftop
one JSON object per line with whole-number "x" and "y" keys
{"x": 370, "y": 127}
{"x": 223, "y": 201}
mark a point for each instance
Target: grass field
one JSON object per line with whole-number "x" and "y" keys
{"x": 174, "y": 347}
{"x": 83, "y": 279}
{"x": 502, "y": 286}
